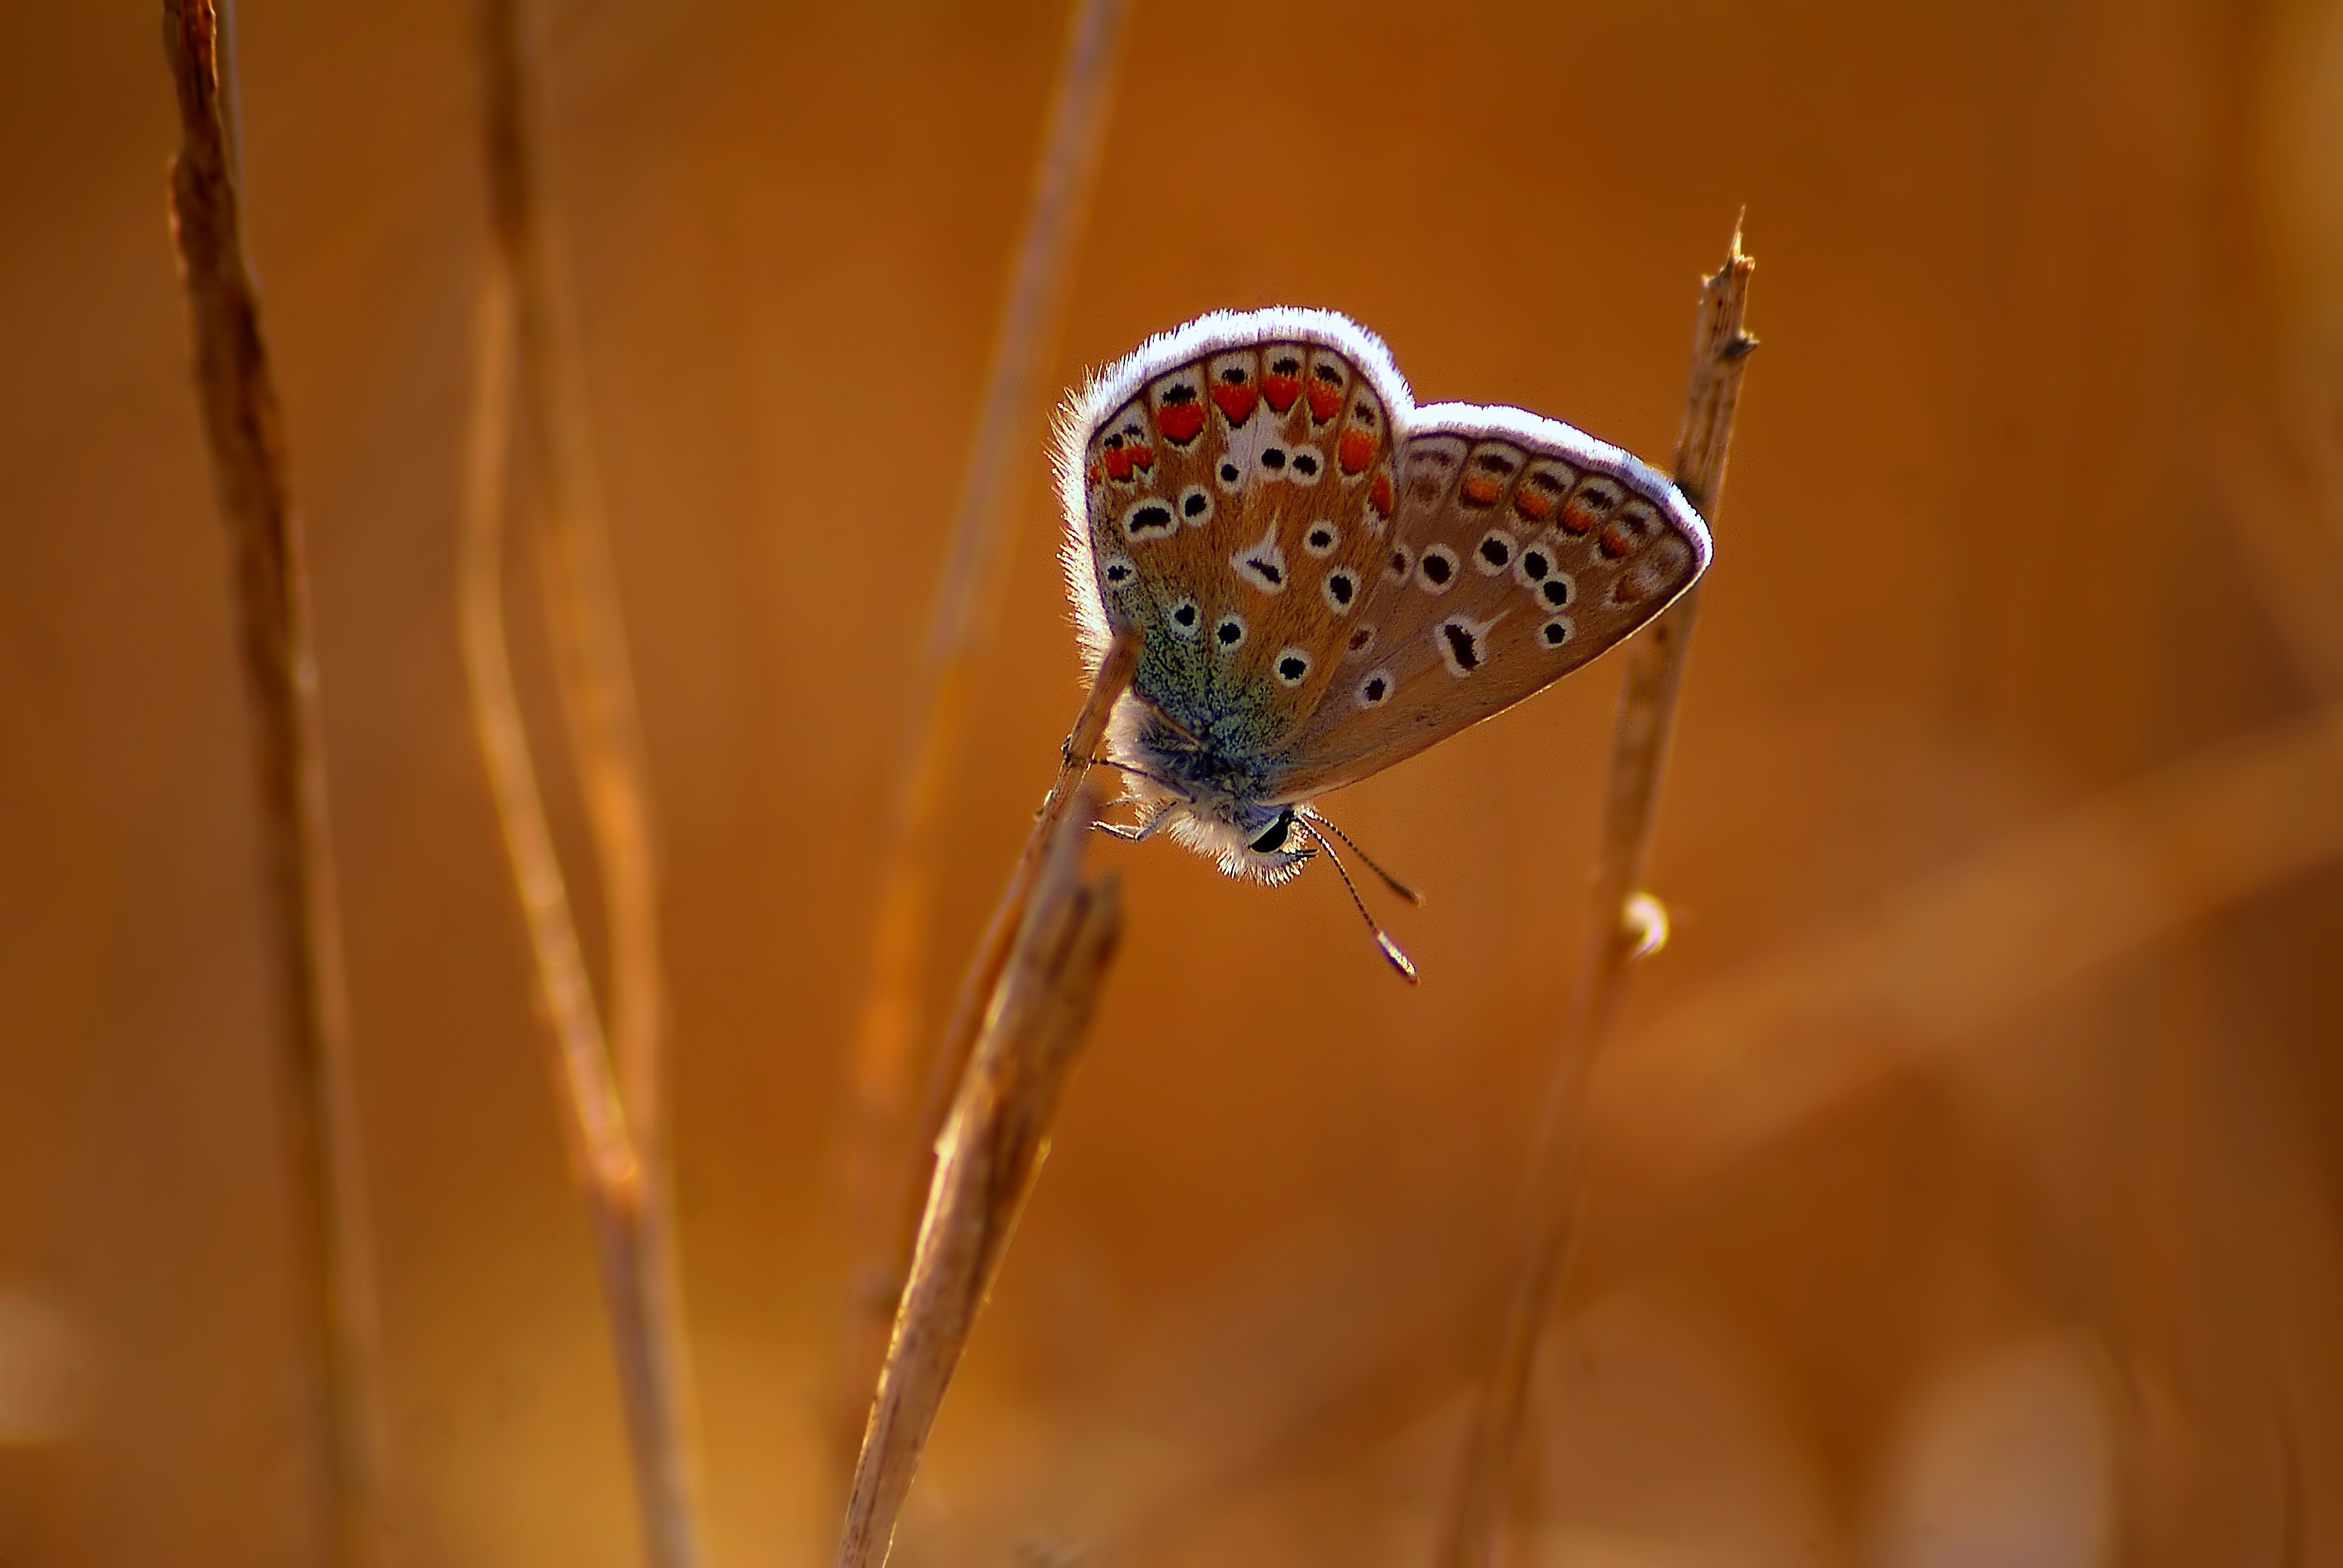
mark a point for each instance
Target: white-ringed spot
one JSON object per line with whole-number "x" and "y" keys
{"x": 1292, "y": 666}
{"x": 1230, "y": 634}
{"x": 1229, "y": 476}
{"x": 1399, "y": 565}
{"x": 1361, "y": 643}
{"x": 1494, "y": 553}
{"x": 1342, "y": 591}
{"x": 1436, "y": 572}
{"x": 1463, "y": 644}
{"x": 1185, "y": 618}
{"x": 1320, "y": 539}
{"x": 1195, "y": 506}
{"x": 1148, "y": 518}
{"x": 1117, "y": 572}
{"x": 1557, "y": 590}
{"x": 1261, "y": 563}
{"x": 1375, "y": 689}
{"x": 1306, "y": 466}
{"x": 1533, "y": 565}
{"x": 1555, "y": 632}
{"x": 1272, "y": 461}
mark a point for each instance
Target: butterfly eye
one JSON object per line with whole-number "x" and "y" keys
{"x": 1271, "y": 841}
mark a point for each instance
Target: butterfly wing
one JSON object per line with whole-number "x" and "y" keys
{"x": 1229, "y": 490}
{"x": 1522, "y": 549}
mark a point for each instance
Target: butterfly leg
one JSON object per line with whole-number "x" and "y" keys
{"x": 1136, "y": 833}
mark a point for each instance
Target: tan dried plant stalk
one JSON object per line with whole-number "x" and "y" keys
{"x": 884, "y": 1078}
{"x": 1041, "y": 966}
{"x": 608, "y": 1080}
{"x": 1621, "y": 922}
{"x": 323, "y": 1167}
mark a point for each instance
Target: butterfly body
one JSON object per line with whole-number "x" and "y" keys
{"x": 1326, "y": 579}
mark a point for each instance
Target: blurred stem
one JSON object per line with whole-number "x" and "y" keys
{"x": 1041, "y": 987}
{"x": 325, "y": 1174}
{"x": 1614, "y": 933}
{"x": 615, "y": 1115}
{"x": 883, "y": 1167}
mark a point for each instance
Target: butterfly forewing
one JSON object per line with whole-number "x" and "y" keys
{"x": 1235, "y": 500}
{"x": 1521, "y": 549}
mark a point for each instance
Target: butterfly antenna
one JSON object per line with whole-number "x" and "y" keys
{"x": 1393, "y": 883}
{"x": 1399, "y": 959}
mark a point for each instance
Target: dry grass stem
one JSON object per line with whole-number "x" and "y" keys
{"x": 1040, "y": 967}
{"x": 1614, "y": 933}
{"x": 325, "y": 1176}
{"x": 609, "y": 1081}
{"x": 884, "y": 1073}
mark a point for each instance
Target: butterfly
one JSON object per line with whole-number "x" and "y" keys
{"x": 1325, "y": 578}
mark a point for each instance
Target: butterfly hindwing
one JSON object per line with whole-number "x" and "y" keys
{"x": 1521, "y": 549}
{"x": 1229, "y": 490}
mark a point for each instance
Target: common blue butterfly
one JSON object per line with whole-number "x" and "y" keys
{"x": 1326, "y": 579}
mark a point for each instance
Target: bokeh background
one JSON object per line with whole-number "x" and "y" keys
{"x": 1969, "y": 1177}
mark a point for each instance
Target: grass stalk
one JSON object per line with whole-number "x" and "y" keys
{"x": 1621, "y": 923}
{"x": 608, "y": 1079}
{"x": 883, "y": 1076}
{"x": 1041, "y": 968}
{"x": 325, "y": 1168}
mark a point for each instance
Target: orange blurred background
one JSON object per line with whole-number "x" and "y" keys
{"x": 1968, "y": 1175}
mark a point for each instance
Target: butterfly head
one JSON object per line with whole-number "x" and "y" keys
{"x": 1255, "y": 842}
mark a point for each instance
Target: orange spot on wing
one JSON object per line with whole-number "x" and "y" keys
{"x": 1142, "y": 457}
{"x": 1355, "y": 450}
{"x": 1617, "y": 541}
{"x": 1379, "y": 494}
{"x": 1537, "y": 508}
{"x": 1090, "y": 474}
{"x": 1576, "y": 519}
{"x": 1180, "y": 422}
{"x": 1324, "y": 401}
{"x": 1237, "y": 402}
{"x": 1480, "y": 490}
{"x": 1280, "y": 391}
{"x": 1118, "y": 464}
